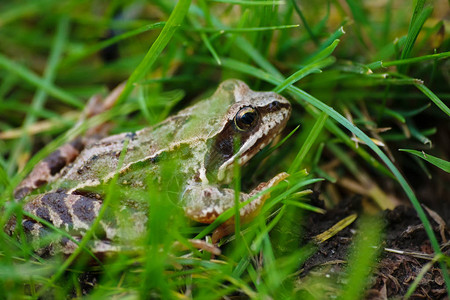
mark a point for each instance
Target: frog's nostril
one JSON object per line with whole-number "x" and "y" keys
{"x": 275, "y": 105}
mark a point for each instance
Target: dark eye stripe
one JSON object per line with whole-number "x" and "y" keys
{"x": 274, "y": 106}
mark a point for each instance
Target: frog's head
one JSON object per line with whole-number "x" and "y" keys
{"x": 251, "y": 121}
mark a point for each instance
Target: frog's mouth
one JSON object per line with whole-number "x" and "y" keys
{"x": 271, "y": 125}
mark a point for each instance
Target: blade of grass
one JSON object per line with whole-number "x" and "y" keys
{"x": 310, "y": 140}
{"x": 242, "y": 29}
{"x": 40, "y": 83}
{"x": 205, "y": 40}
{"x": 8, "y": 82}
{"x": 362, "y": 259}
{"x": 303, "y": 72}
{"x": 4, "y": 178}
{"x": 414, "y": 112}
{"x": 173, "y": 23}
{"x": 416, "y": 133}
{"x": 250, "y": 3}
{"x": 324, "y": 52}
{"x": 39, "y": 98}
{"x": 380, "y": 64}
{"x": 385, "y": 112}
{"x": 421, "y": 275}
{"x": 387, "y": 23}
{"x": 305, "y": 206}
{"x": 432, "y": 96}
{"x": 331, "y": 40}
{"x": 357, "y": 12}
{"x": 97, "y": 47}
{"x": 273, "y": 202}
{"x": 15, "y": 12}
{"x": 335, "y": 229}
{"x": 423, "y": 167}
{"x": 418, "y": 19}
{"x": 417, "y": 10}
{"x": 237, "y": 192}
{"x": 302, "y": 17}
{"x": 256, "y": 56}
{"x": 438, "y": 162}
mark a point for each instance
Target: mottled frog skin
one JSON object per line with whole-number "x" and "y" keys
{"x": 202, "y": 141}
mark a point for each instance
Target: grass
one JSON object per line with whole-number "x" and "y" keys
{"x": 348, "y": 68}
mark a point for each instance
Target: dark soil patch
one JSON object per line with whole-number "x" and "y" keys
{"x": 406, "y": 251}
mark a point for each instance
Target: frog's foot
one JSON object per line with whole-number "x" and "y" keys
{"x": 200, "y": 245}
{"x": 253, "y": 210}
{"x": 205, "y": 203}
{"x": 222, "y": 231}
{"x": 249, "y": 211}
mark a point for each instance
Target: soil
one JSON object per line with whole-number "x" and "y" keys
{"x": 405, "y": 252}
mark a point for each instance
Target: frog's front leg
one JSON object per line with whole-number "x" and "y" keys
{"x": 204, "y": 203}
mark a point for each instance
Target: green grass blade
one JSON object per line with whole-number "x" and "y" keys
{"x": 417, "y": 10}
{"x": 7, "y": 84}
{"x": 49, "y": 76}
{"x": 432, "y": 96}
{"x": 205, "y": 39}
{"x": 414, "y": 30}
{"x": 242, "y": 29}
{"x": 310, "y": 140}
{"x": 250, "y": 3}
{"x": 303, "y": 72}
{"x": 362, "y": 259}
{"x": 40, "y": 83}
{"x": 302, "y": 17}
{"x": 210, "y": 48}
{"x": 414, "y": 112}
{"x": 417, "y": 134}
{"x": 4, "y": 178}
{"x": 97, "y": 47}
{"x": 256, "y": 56}
{"x": 325, "y": 52}
{"x": 438, "y": 162}
{"x": 381, "y": 64}
{"x": 237, "y": 193}
{"x": 421, "y": 275}
{"x": 173, "y": 23}
{"x": 333, "y": 39}
{"x": 13, "y": 13}
{"x": 358, "y": 11}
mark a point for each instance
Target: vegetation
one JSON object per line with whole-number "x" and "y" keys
{"x": 365, "y": 80}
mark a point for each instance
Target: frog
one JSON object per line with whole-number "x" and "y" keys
{"x": 206, "y": 140}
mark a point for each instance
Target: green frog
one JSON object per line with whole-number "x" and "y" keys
{"x": 204, "y": 140}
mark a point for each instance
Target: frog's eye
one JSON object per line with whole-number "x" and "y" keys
{"x": 246, "y": 118}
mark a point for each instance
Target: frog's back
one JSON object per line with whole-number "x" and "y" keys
{"x": 187, "y": 132}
